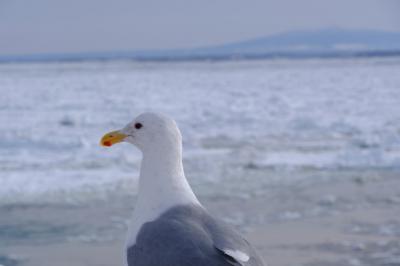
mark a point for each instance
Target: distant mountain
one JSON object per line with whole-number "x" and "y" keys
{"x": 327, "y": 42}
{"x": 317, "y": 43}
{"x": 320, "y": 41}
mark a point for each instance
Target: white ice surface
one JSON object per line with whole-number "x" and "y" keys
{"x": 329, "y": 114}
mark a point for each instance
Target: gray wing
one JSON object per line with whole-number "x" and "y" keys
{"x": 233, "y": 245}
{"x": 189, "y": 236}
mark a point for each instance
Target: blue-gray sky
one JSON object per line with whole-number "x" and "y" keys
{"x": 56, "y": 26}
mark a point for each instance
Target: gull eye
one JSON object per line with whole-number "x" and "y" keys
{"x": 138, "y": 125}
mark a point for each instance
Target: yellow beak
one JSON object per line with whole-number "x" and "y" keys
{"x": 112, "y": 138}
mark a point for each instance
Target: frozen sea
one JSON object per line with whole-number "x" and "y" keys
{"x": 301, "y": 155}
{"x": 284, "y": 116}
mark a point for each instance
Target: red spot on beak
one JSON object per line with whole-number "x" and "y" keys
{"x": 107, "y": 143}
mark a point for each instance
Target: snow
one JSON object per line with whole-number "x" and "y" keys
{"x": 322, "y": 114}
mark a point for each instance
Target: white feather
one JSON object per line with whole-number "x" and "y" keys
{"x": 237, "y": 255}
{"x": 162, "y": 182}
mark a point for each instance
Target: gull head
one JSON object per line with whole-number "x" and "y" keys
{"x": 150, "y": 132}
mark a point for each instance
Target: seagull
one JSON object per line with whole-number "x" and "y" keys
{"x": 169, "y": 226}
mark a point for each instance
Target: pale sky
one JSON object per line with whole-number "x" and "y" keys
{"x": 57, "y": 26}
